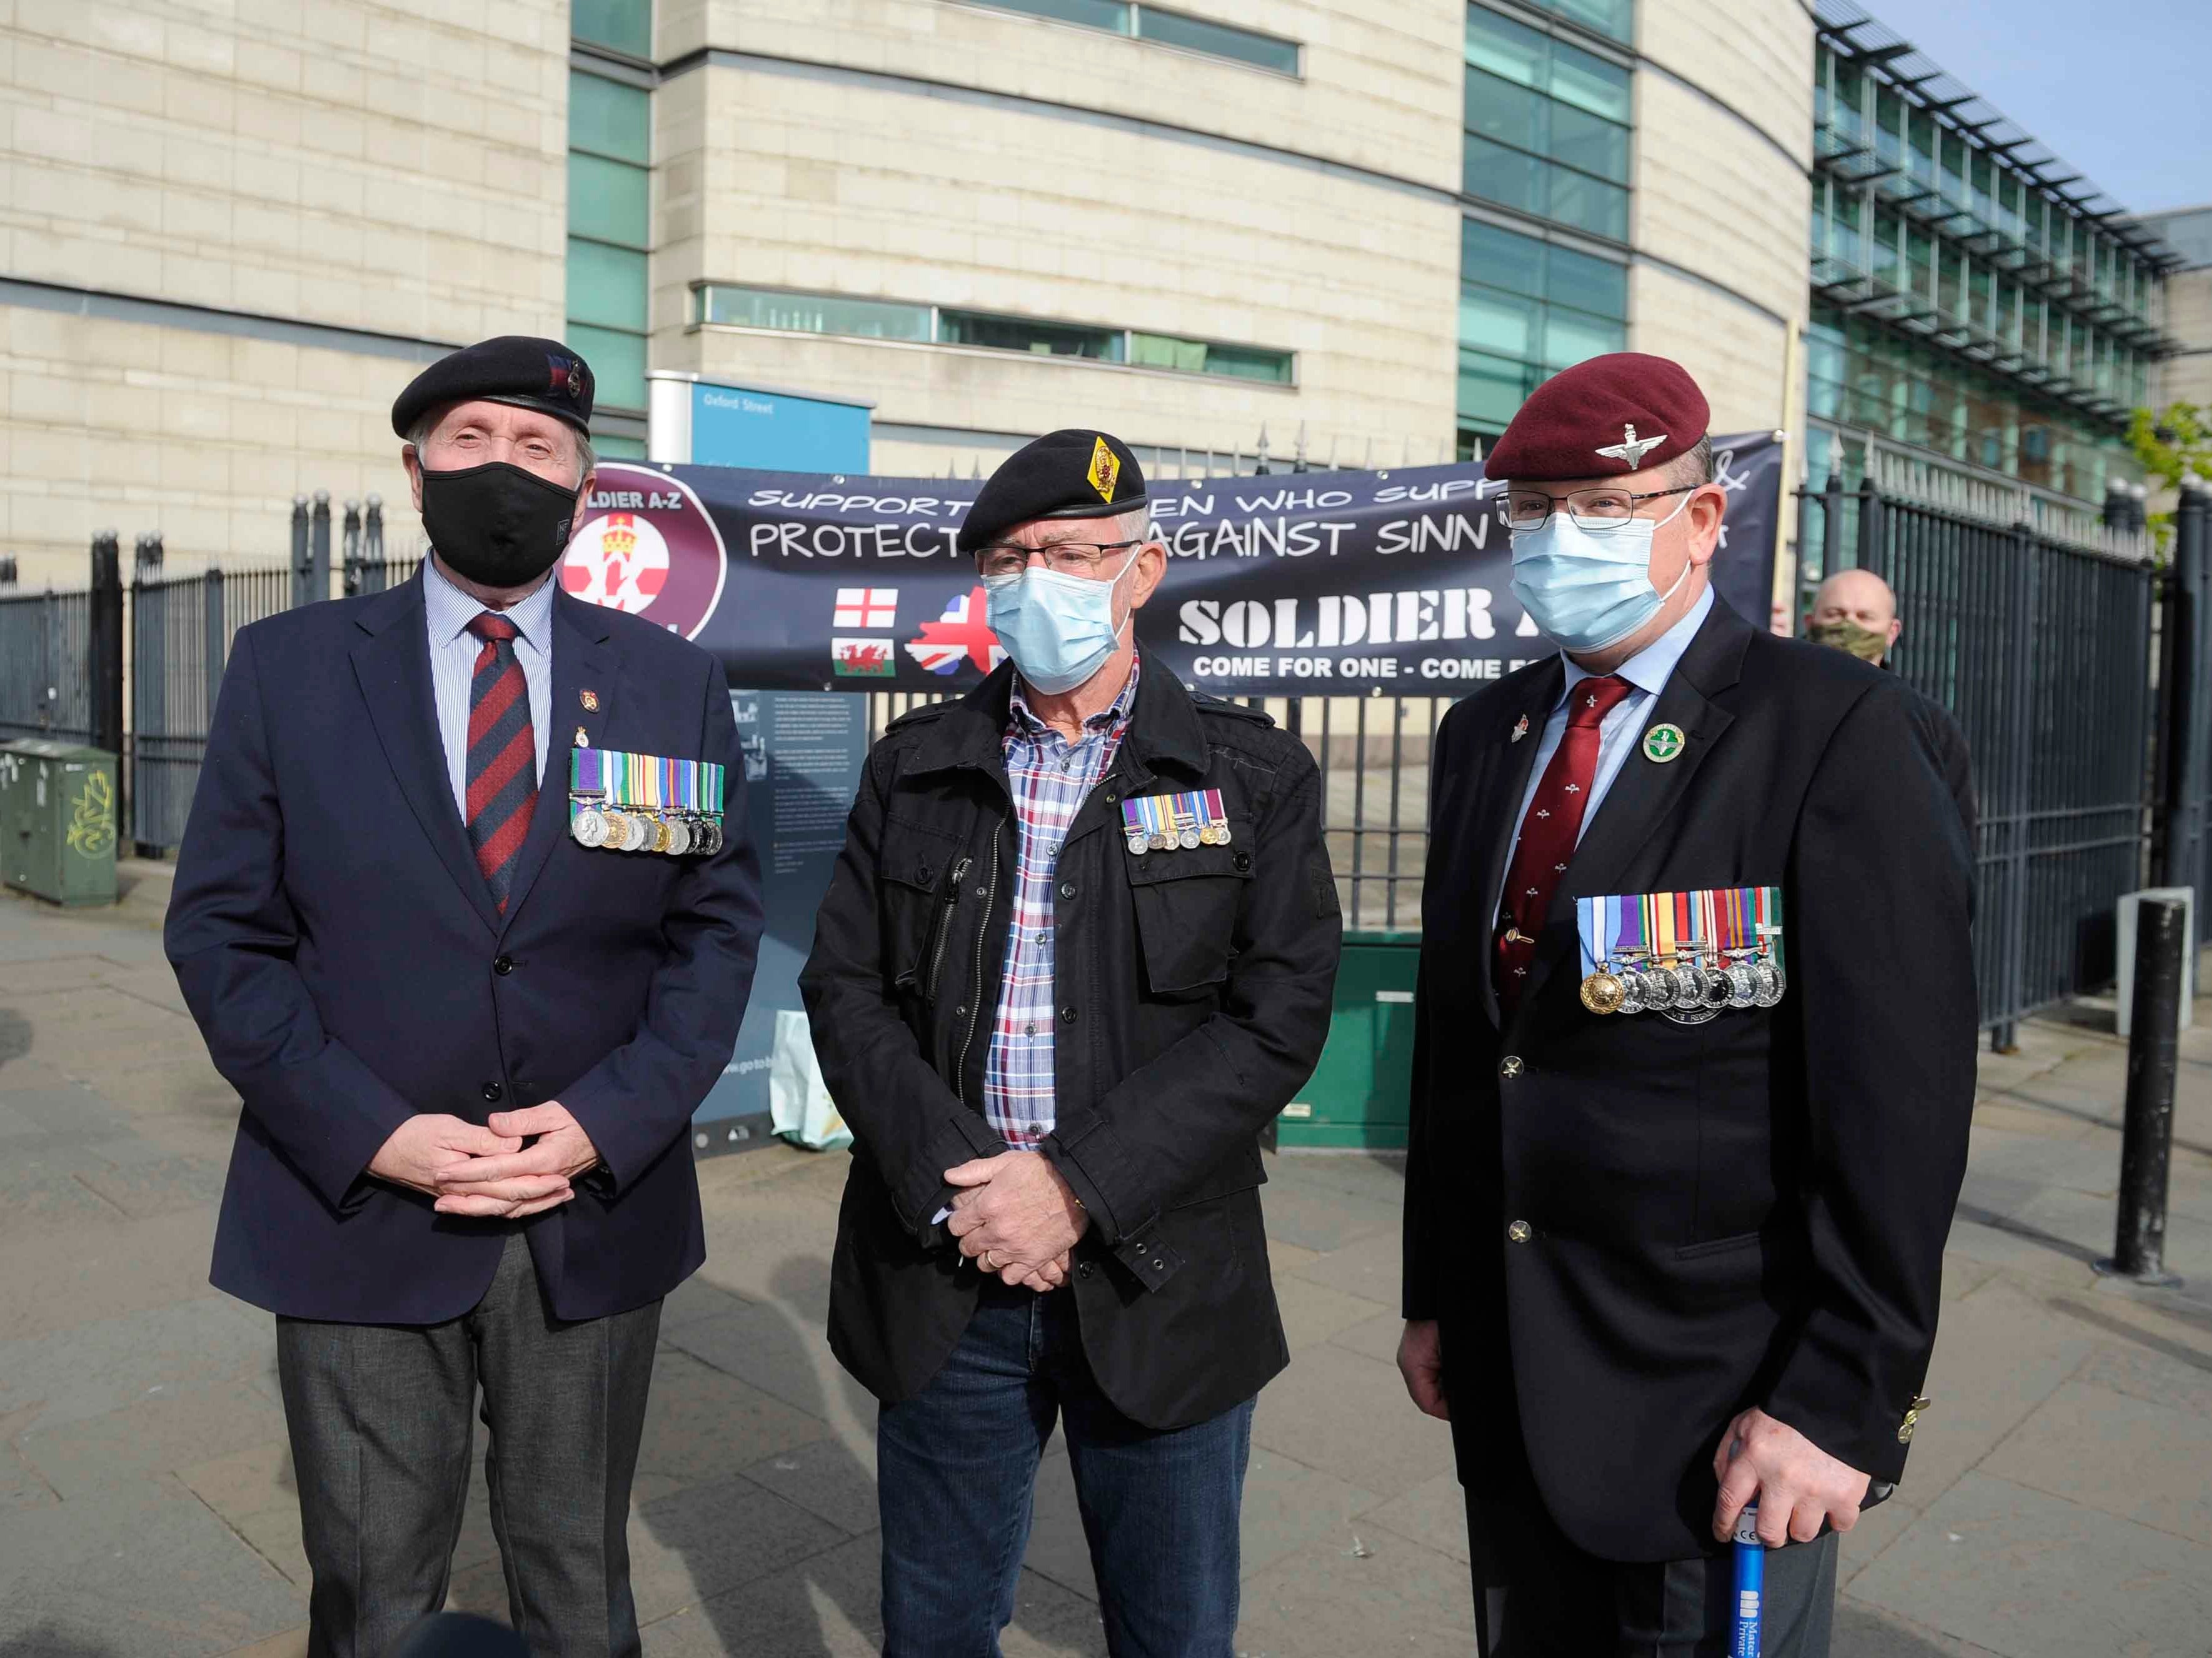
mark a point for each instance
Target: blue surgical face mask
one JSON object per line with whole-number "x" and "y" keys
{"x": 1589, "y": 590}
{"x": 1059, "y": 628}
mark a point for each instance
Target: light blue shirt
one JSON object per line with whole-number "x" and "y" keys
{"x": 1647, "y": 673}
{"x": 448, "y": 612}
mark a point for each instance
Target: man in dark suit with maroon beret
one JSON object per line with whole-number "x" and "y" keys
{"x": 1694, "y": 1062}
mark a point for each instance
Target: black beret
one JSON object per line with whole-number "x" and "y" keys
{"x": 529, "y": 373}
{"x": 1071, "y": 474}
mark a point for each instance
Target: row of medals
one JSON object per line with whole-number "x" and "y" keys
{"x": 1689, "y": 988}
{"x": 1187, "y": 837}
{"x": 676, "y": 833}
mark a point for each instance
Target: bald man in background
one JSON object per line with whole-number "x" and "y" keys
{"x": 1855, "y": 610}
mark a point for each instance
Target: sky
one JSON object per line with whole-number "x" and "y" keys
{"x": 2119, "y": 90}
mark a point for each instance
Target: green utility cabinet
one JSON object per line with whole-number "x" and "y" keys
{"x": 1357, "y": 1096}
{"x": 57, "y": 822}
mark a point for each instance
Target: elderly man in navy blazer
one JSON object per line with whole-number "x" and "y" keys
{"x": 469, "y": 1047}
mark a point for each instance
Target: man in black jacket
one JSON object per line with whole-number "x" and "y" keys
{"x": 1694, "y": 1062}
{"x": 1077, "y": 953}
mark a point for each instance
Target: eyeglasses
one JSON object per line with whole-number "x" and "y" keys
{"x": 1002, "y": 559}
{"x": 1597, "y": 511}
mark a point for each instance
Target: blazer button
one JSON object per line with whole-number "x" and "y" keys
{"x": 503, "y": 965}
{"x": 1067, "y": 889}
{"x": 1084, "y": 1270}
{"x": 1067, "y": 1015}
{"x": 960, "y": 1013}
{"x": 1509, "y": 1067}
{"x": 1242, "y": 860}
{"x": 493, "y": 1093}
{"x": 1520, "y": 1231}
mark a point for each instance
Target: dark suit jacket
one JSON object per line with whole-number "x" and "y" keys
{"x": 1747, "y": 1211}
{"x": 340, "y": 952}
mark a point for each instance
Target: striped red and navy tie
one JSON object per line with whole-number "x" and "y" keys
{"x": 502, "y": 755}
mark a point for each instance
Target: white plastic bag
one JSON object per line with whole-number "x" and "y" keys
{"x": 800, "y": 1110}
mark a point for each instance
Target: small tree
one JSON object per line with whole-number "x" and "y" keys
{"x": 2171, "y": 443}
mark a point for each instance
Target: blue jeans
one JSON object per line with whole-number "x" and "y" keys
{"x": 956, "y": 1480}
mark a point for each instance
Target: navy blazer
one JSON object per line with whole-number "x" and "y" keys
{"x": 340, "y": 949}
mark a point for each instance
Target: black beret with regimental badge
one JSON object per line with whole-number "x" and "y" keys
{"x": 517, "y": 368}
{"x": 1075, "y": 473}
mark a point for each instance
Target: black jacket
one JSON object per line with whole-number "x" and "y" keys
{"x": 1751, "y": 1211}
{"x": 1193, "y": 989}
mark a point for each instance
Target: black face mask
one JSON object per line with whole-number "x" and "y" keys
{"x": 497, "y": 523}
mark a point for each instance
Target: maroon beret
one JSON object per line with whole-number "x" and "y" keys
{"x": 1619, "y": 413}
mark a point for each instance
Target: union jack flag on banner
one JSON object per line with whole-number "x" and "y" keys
{"x": 961, "y": 634}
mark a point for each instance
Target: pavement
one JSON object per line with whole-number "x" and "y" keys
{"x": 2058, "y": 1501}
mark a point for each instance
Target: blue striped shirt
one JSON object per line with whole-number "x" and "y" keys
{"x": 1051, "y": 777}
{"x": 448, "y": 612}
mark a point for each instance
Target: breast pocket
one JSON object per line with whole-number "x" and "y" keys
{"x": 1187, "y": 904}
{"x": 919, "y": 875}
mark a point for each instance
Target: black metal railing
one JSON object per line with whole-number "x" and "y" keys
{"x": 2039, "y": 648}
{"x": 45, "y": 667}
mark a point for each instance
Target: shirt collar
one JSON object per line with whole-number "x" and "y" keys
{"x": 1650, "y": 667}
{"x": 449, "y": 610}
{"x": 1027, "y": 723}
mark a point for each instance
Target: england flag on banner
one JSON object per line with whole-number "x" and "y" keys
{"x": 866, "y": 607}
{"x": 961, "y": 634}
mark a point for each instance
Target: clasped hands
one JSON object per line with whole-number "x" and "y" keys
{"x": 1016, "y": 1216}
{"x": 487, "y": 1171}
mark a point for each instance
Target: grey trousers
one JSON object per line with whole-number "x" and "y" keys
{"x": 1536, "y": 1596}
{"x": 381, "y": 1421}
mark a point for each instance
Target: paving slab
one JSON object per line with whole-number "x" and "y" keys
{"x": 106, "y": 1364}
{"x": 1347, "y": 1415}
{"x": 704, "y": 1425}
{"x": 171, "y": 1428}
{"x": 1372, "y": 1268}
{"x": 2033, "y": 1575}
{"x": 1395, "y": 1597}
{"x": 829, "y": 1478}
{"x": 825, "y": 1607}
{"x": 699, "y": 1541}
{"x": 764, "y": 1344}
{"x": 1314, "y": 1312}
{"x": 1869, "y": 1632}
{"x": 2119, "y": 1455}
{"x": 1433, "y": 1513}
{"x": 1377, "y": 1338}
{"x": 1302, "y": 1209}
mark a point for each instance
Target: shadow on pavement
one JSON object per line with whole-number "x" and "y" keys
{"x": 45, "y": 1641}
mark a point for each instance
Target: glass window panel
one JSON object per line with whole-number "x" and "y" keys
{"x": 1508, "y": 113}
{"x": 816, "y": 314}
{"x": 608, "y": 200}
{"x": 1570, "y": 336}
{"x": 1492, "y": 388}
{"x": 1587, "y": 283}
{"x": 1162, "y": 351}
{"x": 1507, "y": 49}
{"x": 1196, "y": 35}
{"x": 1498, "y": 174}
{"x": 1581, "y": 78}
{"x": 1503, "y": 323}
{"x": 1112, "y": 14}
{"x": 610, "y": 118}
{"x": 1591, "y": 203}
{"x": 624, "y": 24}
{"x": 606, "y": 285}
{"x": 1250, "y": 362}
{"x": 1590, "y": 142}
{"x": 1044, "y": 339}
{"x": 1611, "y": 17}
{"x": 1488, "y": 254}
{"x": 612, "y": 446}
{"x": 617, "y": 362}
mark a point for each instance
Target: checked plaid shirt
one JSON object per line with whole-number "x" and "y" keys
{"x": 1051, "y": 777}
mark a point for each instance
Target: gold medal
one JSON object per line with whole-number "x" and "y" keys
{"x": 618, "y": 826}
{"x": 661, "y": 842}
{"x": 1603, "y": 993}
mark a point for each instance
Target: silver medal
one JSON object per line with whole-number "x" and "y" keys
{"x": 589, "y": 827}
{"x": 1138, "y": 845}
{"x": 680, "y": 837}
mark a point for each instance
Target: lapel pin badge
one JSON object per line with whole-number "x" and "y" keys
{"x": 590, "y": 699}
{"x": 583, "y": 737}
{"x": 1664, "y": 743}
{"x": 1521, "y": 728}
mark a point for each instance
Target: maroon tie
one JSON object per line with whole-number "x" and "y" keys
{"x": 502, "y": 771}
{"x": 1548, "y": 833}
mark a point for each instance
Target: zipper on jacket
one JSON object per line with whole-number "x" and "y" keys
{"x": 946, "y": 913}
{"x": 975, "y": 1000}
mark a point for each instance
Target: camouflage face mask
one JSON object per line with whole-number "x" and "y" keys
{"x": 1864, "y": 643}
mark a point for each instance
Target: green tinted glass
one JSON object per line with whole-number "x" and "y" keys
{"x": 1501, "y": 258}
{"x": 617, "y": 362}
{"x": 1246, "y": 362}
{"x": 1512, "y": 177}
{"x": 624, "y": 24}
{"x": 608, "y": 201}
{"x": 1587, "y": 283}
{"x": 1510, "y": 114}
{"x": 1096, "y": 13}
{"x": 1570, "y": 336}
{"x": 1505, "y": 48}
{"x": 813, "y": 313}
{"x": 1161, "y": 351}
{"x": 610, "y": 118}
{"x": 1492, "y": 388}
{"x": 1195, "y": 35}
{"x": 606, "y": 285}
{"x": 1599, "y": 207}
{"x": 1589, "y": 82}
{"x": 1611, "y": 17}
{"x": 612, "y": 447}
{"x": 1590, "y": 142}
{"x": 1503, "y": 323}
{"x": 1024, "y": 334}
